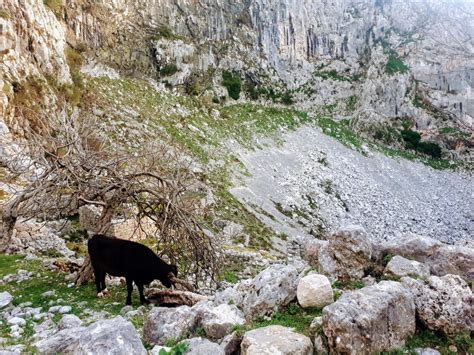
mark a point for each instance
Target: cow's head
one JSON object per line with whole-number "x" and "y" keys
{"x": 171, "y": 276}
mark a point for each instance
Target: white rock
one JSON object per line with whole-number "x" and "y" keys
{"x": 65, "y": 309}
{"x": 200, "y": 346}
{"x": 314, "y": 290}
{"x": 111, "y": 336}
{"x": 168, "y": 323}
{"x": 218, "y": 321}
{"x": 275, "y": 339}
{"x": 16, "y": 321}
{"x": 399, "y": 267}
{"x": 69, "y": 321}
{"x": 5, "y": 299}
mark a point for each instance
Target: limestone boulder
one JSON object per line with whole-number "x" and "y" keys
{"x": 373, "y": 319}
{"x": 399, "y": 267}
{"x": 347, "y": 254}
{"x": 444, "y": 303}
{"x": 414, "y": 247}
{"x": 314, "y": 290}
{"x": 112, "y": 336}
{"x": 270, "y": 290}
{"x": 69, "y": 321}
{"x": 218, "y": 321}
{"x": 455, "y": 260}
{"x": 275, "y": 339}
{"x": 165, "y": 323}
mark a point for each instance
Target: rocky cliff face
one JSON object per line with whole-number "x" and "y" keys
{"x": 373, "y": 60}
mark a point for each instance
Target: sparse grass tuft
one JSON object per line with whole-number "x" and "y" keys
{"x": 55, "y": 5}
{"x": 395, "y": 65}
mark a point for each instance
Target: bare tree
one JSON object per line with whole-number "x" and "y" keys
{"x": 80, "y": 163}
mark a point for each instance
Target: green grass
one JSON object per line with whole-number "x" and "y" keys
{"x": 233, "y": 84}
{"x": 341, "y": 131}
{"x": 169, "y": 70}
{"x": 348, "y": 285}
{"x": 55, "y": 5}
{"x": 291, "y": 316}
{"x": 427, "y": 338}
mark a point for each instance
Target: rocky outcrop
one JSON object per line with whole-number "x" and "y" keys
{"x": 441, "y": 258}
{"x": 399, "y": 267}
{"x": 443, "y": 303}
{"x": 372, "y": 319}
{"x": 314, "y": 291}
{"x": 112, "y": 336}
{"x": 273, "y": 288}
{"x": 275, "y": 339}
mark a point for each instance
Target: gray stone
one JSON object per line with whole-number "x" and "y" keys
{"x": 443, "y": 303}
{"x": 399, "y": 267}
{"x": 314, "y": 291}
{"x": 219, "y": 321}
{"x": 275, "y": 339}
{"x": 426, "y": 351}
{"x": 168, "y": 323}
{"x": 69, "y": 321}
{"x": 455, "y": 260}
{"x": 64, "y": 309}
{"x": 16, "y": 321}
{"x": 231, "y": 343}
{"x": 372, "y": 319}
{"x": 5, "y": 299}
{"x": 271, "y": 289}
{"x": 112, "y": 336}
{"x": 200, "y": 346}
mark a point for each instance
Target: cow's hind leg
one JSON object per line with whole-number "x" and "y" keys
{"x": 128, "y": 302}
{"x": 140, "y": 290}
{"x": 105, "y": 292}
{"x": 98, "y": 283}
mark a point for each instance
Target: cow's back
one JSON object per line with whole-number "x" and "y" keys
{"x": 119, "y": 257}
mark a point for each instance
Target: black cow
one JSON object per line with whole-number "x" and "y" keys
{"x": 134, "y": 261}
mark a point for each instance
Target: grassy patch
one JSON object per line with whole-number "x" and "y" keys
{"x": 426, "y": 338}
{"x": 395, "y": 64}
{"x": 341, "y": 131}
{"x": 169, "y": 70}
{"x": 4, "y": 14}
{"x": 291, "y": 316}
{"x": 55, "y": 5}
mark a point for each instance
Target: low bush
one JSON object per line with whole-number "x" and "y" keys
{"x": 232, "y": 83}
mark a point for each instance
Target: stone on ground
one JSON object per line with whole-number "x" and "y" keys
{"x": 201, "y": 346}
{"x": 347, "y": 254}
{"x": 373, "y": 319}
{"x": 455, "y": 260}
{"x": 69, "y": 321}
{"x": 111, "y": 336}
{"x": 168, "y": 323}
{"x": 443, "y": 303}
{"x": 5, "y": 299}
{"x": 275, "y": 339}
{"x": 399, "y": 267}
{"x": 314, "y": 291}
{"x": 219, "y": 321}
{"x": 273, "y": 288}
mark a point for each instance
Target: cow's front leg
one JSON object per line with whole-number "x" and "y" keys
{"x": 143, "y": 300}
{"x": 128, "y": 302}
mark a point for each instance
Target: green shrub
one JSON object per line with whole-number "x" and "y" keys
{"x": 287, "y": 98}
{"x": 430, "y": 148}
{"x": 169, "y": 69}
{"x": 232, "y": 83}
{"x": 395, "y": 65}
{"x": 411, "y": 138}
{"x": 178, "y": 349}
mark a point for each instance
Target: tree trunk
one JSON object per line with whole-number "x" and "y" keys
{"x": 85, "y": 274}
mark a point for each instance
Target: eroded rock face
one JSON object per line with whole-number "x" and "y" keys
{"x": 168, "y": 323}
{"x": 273, "y": 288}
{"x": 275, "y": 339}
{"x": 399, "y": 267}
{"x": 314, "y": 291}
{"x": 112, "y": 336}
{"x": 370, "y": 320}
{"x": 443, "y": 303}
